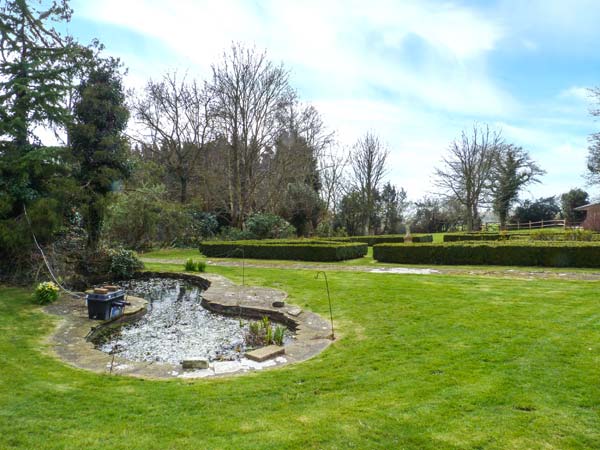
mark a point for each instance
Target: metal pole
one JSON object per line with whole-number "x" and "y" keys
{"x": 243, "y": 264}
{"x": 329, "y": 300}
{"x": 243, "y": 281}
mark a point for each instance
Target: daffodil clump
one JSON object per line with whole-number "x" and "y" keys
{"x": 46, "y": 292}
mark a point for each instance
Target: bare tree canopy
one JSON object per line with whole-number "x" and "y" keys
{"x": 466, "y": 170}
{"x": 295, "y": 156}
{"x": 332, "y": 171}
{"x": 251, "y": 95}
{"x": 593, "y": 159}
{"x": 174, "y": 125}
{"x": 368, "y": 168}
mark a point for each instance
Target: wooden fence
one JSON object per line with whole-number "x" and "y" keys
{"x": 555, "y": 223}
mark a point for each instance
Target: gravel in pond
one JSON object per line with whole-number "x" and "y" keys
{"x": 176, "y": 327}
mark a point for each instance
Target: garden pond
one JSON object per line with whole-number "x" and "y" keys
{"x": 176, "y": 327}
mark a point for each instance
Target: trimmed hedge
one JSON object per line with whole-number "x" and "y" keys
{"x": 569, "y": 235}
{"x": 382, "y": 239}
{"x": 475, "y": 237}
{"x": 516, "y": 253}
{"x": 301, "y": 249}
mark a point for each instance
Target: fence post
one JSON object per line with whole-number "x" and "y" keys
{"x": 530, "y": 224}
{"x": 542, "y": 224}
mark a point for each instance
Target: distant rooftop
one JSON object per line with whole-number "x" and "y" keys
{"x": 588, "y": 206}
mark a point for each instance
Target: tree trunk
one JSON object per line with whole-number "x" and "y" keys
{"x": 502, "y": 215}
{"x": 21, "y": 107}
{"x": 470, "y": 220}
{"x": 94, "y": 221}
{"x": 183, "y": 194}
{"x": 367, "y": 225}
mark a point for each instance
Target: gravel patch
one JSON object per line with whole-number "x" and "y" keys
{"x": 176, "y": 327}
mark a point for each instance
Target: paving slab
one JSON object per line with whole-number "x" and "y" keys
{"x": 264, "y": 353}
{"x": 194, "y": 364}
{"x": 294, "y": 312}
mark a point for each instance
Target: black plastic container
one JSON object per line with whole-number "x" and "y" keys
{"x": 112, "y": 295}
{"x": 106, "y": 306}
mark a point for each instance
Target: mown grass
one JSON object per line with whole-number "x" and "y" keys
{"x": 179, "y": 256}
{"x": 422, "y": 362}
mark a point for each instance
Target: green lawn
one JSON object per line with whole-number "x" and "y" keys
{"x": 423, "y": 362}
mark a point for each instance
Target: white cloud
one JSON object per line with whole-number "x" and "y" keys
{"x": 578, "y": 93}
{"x": 346, "y": 46}
{"x": 460, "y": 31}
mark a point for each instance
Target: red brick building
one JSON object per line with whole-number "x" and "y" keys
{"x": 592, "y": 217}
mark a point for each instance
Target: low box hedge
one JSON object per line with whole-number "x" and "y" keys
{"x": 301, "y": 249}
{"x": 504, "y": 253}
{"x": 382, "y": 239}
{"x": 541, "y": 235}
{"x": 461, "y": 237}
{"x": 390, "y": 238}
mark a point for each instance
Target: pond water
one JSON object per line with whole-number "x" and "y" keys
{"x": 176, "y": 327}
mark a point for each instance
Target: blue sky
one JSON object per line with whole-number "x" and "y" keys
{"x": 415, "y": 72}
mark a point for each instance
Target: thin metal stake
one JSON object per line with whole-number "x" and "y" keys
{"x": 243, "y": 281}
{"x": 329, "y": 299}
{"x": 112, "y": 361}
{"x": 243, "y": 264}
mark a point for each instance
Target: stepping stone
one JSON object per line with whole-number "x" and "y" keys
{"x": 295, "y": 312}
{"x": 221, "y": 367}
{"x": 264, "y": 353}
{"x": 194, "y": 364}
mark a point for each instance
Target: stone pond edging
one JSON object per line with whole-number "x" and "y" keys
{"x": 70, "y": 341}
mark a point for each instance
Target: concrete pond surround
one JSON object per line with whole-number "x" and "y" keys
{"x": 72, "y": 342}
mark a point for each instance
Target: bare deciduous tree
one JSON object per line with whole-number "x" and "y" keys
{"x": 332, "y": 168}
{"x": 467, "y": 169}
{"x": 250, "y": 95}
{"x": 368, "y": 168}
{"x": 309, "y": 126}
{"x": 174, "y": 125}
{"x": 295, "y": 155}
{"x": 593, "y": 158}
